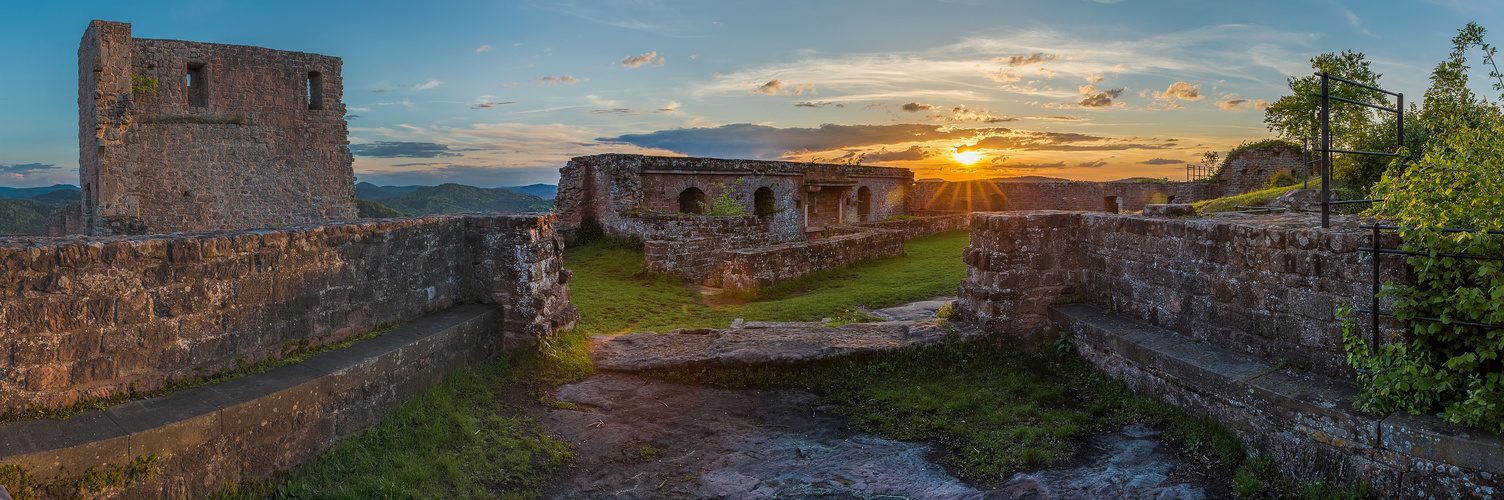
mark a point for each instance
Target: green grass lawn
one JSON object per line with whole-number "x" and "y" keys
{"x": 615, "y": 295}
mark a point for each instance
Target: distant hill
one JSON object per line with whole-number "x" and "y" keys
{"x": 22, "y": 216}
{"x": 368, "y": 191}
{"x": 1028, "y": 178}
{"x": 375, "y": 210}
{"x": 10, "y": 192}
{"x": 63, "y": 195}
{"x": 455, "y": 198}
{"x": 545, "y": 191}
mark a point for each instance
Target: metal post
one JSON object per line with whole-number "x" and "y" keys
{"x": 1326, "y": 150}
{"x": 1399, "y": 106}
{"x": 1375, "y": 307}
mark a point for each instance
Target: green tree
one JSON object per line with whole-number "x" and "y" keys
{"x": 1454, "y": 183}
{"x": 1297, "y": 116}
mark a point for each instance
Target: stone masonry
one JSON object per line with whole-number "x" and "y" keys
{"x": 185, "y": 136}
{"x": 87, "y": 318}
{"x": 1266, "y": 286}
{"x": 1251, "y": 169}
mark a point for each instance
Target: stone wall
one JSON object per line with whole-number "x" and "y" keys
{"x": 1266, "y": 286}
{"x": 610, "y": 187}
{"x": 65, "y": 221}
{"x": 89, "y": 317}
{"x": 692, "y": 246}
{"x": 995, "y": 196}
{"x": 923, "y": 226}
{"x": 257, "y": 139}
{"x": 763, "y": 267}
{"x": 1251, "y": 169}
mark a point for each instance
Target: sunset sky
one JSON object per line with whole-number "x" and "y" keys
{"x": 504, "y": 93}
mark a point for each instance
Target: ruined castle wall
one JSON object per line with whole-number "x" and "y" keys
{"x": 762, "y": 267}
{"x": 1265, "y": 286}
{"x": 87, "y": 318}
{"x": 692, "y": 246}
{"x": 991, "y": 196}
{"x": 609, "y": 188}
{"x": 228, "y": 137}
{"x": 1251, "y": 169}
{"x": 922, "y": 226}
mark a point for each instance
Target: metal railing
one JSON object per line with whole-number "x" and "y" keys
{"x": 1326, "y": 149}
{"x": 1378, "y": 250}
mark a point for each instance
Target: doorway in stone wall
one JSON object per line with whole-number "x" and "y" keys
{"x": 1110, "y": 204}
{"x": 692, "y": 201}
{"x": 864, "y": 204}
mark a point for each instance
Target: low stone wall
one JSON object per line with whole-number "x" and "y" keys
{"x": 923, "y": 226}
{"x": 762, "y": 267}
{"x": 1267, "y": 286}
{"x": 90, "y": 317}
{"x": 692, "y": 246}
{"x": 250, "y": 427}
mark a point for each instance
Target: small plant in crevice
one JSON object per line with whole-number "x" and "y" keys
{"x": 143, "y": 84}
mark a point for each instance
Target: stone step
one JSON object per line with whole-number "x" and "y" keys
{"x": 758, "y": 346}
{"x": 1306, "y": 422}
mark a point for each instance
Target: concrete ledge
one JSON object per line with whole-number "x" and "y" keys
{"x": 1306, "y": 422}
{"x": 252, "y": 426}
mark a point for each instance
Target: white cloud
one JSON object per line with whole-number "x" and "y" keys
{"x": 427, "y": 85}
{"x": 483, "y": 48}
{"x": 648, "y": 58}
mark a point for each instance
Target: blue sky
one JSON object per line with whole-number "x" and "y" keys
{"x": 504, "y": 93}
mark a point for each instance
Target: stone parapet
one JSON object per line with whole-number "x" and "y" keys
{"x": 1267, "y": 286}
{"x": 922, "y": 226}
{"x": 1305, "y": 422}
{"x": 762, "y": 267}
{"x": 250, "y": 427}
{"x": 85, "y": 318}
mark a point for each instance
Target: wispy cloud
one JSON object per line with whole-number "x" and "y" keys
{"x": 483, "y": 48}
{"x": 427, "y": 85}
{"x": 561, "y": 80}
{"x": 490, "y": 104}
{"x": 399, "y": 149}
{"x": 1230, "y": 102}
{"x": 1026, "y": 60}
{"x": 776, "y": 87}
{"x": 1162, "y": 161}
{"x": 648, "y": 58}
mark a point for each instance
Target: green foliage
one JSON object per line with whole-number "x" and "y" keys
{"x": 648, "y": 453}
{"x": 375, "y": 210}
{"x": 616, "y": 295}
{"x": 27, "y": 216}
{"x": 1295, "y": 116}
{"x": 948, "y": 312}
{"x": 1455, "y": 184}
{"x": 457, "y": 198}
{"x": 143, "y": 85}
{"x": 901, "y": 217}
{"x": 723, "y": 204}
{"x": 1281, "y": 179}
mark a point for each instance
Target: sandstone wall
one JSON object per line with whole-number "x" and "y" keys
{"x": 922, "y": 226}
{"x": 1251, "y": 169}
{"x": 86, "y": 318}
{"x": 65, "y": 221}
{"x": 692, "y": 246}
{"x": 993, "y": 196}
{"x": 1266, "y": 286}
{"x": 610, "y": 187}
{"x": 258, "y": 139}
{"x": 763, "y": 267}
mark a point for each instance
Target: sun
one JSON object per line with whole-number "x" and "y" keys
{"x": 968, "y": 158}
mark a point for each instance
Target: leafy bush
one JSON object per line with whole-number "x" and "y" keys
{"x": 1281, "y": 179}
{"x": 724, "y": 204}
{"x": 1455, "y": 184}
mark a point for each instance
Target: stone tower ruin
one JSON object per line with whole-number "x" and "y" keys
{"x": 185, "y": 136}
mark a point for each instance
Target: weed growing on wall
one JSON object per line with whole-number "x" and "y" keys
{"x": 724, "y": 204}
{"x": 1444, "y": 365}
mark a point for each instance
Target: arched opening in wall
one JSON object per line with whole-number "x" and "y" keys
{"x": 997, "y": 203}
{"x": 692, "y": 201}
{"x": 1110, "y": 204}
{"x": 314, "y": 90}
{"x": 863, "y": 204}
{"x": 763, "y": 202}
{"x": 1170, "y": 199}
